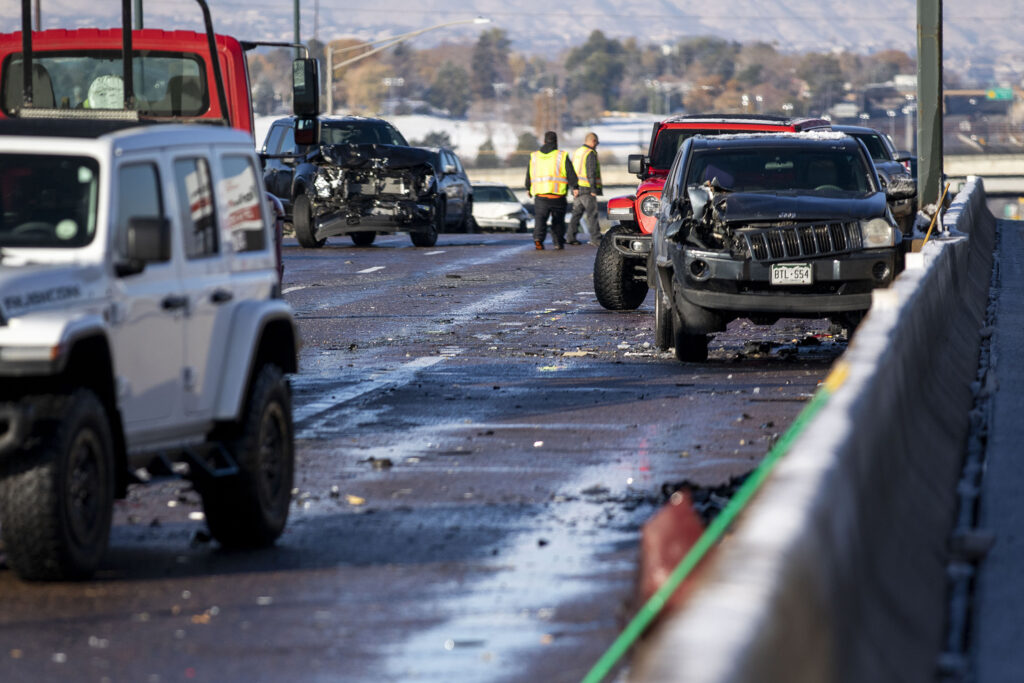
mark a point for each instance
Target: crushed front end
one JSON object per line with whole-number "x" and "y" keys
{"x": 372, "y": 187}
{"x": 822, "y": 259}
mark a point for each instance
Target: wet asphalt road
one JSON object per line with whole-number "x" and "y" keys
{"x": 478, "y": 445}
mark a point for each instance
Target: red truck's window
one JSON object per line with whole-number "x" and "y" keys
{"x": 165, "y": 83}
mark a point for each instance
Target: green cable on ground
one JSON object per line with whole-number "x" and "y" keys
{"x": 635, "y": 628}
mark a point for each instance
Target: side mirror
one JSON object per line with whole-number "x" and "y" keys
{"x": 635, "y": 164}
{"x": 148, "y": 240}
{"x": 307, "y": 130}
{"x": 306, "y": 87}
{"x": 900, "y": 187}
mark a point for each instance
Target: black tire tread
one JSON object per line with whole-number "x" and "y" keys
{"x": 234, "y": 512}
{"x": 614, "y": 284}
{"x": 302, "y": 223}
{"x": 32, "y": 514}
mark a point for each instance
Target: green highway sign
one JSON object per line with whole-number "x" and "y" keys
{"x": 999, "y": 94}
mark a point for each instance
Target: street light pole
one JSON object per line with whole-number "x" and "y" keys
{"x": 382, "y": 44}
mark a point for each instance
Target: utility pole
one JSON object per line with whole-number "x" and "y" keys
{"x": 298, "y": 51}
{"x": 929, "y": 101}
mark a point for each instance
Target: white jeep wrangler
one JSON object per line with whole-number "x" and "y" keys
{"x": 142, "y": 333}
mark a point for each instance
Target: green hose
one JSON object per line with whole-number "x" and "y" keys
{"x": 650, "y": 610}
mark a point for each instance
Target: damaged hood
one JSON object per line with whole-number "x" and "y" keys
{"x": 388, "y": 156}
{"x": 760, "y": 207}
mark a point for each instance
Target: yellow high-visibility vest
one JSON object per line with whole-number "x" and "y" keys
{"x": 548, "y": 173}
{"x": 579, "y": 162}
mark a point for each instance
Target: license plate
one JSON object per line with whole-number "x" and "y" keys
{"x": 791, "y": 274}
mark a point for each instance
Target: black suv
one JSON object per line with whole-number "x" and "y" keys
{"x": 765, "y": 226}
{"x": 893, "y": 166}
{"x": 362, "y": 178}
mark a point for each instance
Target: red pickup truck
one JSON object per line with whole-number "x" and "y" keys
{"x": 620, "y": 267}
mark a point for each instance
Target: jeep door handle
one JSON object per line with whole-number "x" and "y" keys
{"x": 174, "y": 302}
{"x": 221, "y": 296}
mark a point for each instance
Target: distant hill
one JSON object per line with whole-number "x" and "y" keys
{"x": 974, "y": 29}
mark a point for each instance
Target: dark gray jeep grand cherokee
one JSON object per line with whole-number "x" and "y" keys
{"x": 765, "y": 226}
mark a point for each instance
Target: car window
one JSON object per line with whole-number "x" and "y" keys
{"x": 876, "y": 146}
{"x": 392, "y": 136}
{"x": 780, "y": 169}
{"x": 274, "y": 137}
{"x": 239, "y": 195}
{"x": 138, "y": 197}
{"x": 288, "y": 141}
{"x": 195, "y": 207}
{"x": 47, "y": 200}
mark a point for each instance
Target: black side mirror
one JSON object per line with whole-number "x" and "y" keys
{"x": 148, "y": 240}
{"x": 306, "y": 87}
{"x": 307, "y": 130}
{"x": 635, "y": 164}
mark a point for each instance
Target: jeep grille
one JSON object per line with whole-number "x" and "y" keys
{"x": 803, "y": 241}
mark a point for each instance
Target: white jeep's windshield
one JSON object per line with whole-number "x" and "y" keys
{"x": 47, "y": 201}
{"x": 781, "y": 169}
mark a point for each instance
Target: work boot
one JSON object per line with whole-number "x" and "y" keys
{"x": 574, "y": 243}
{"x": 538, "y": 245}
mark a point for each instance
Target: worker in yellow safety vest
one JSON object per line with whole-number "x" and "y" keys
{"x": 584, "y": 203}
{"x": 549, "y": 178}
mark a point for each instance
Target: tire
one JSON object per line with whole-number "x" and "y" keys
{"x": 663, "y": 336}
{"x": 467, "y": 223}
{"x": 57, "y": 496}
{"x": 363, "y": 238}
{"x": 302, "y": 222}
{"x": 690, "y": 348}
{"x": 614, "y": 284}
{"x": 428, "y": 237}
{"x": 250, "y": 509}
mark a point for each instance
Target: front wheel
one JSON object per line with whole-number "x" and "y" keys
{"x": 57, "y": 496}
{"x": 690, "y": 348}
{"x": 615, "y": 281}
{"x": 302, "y": 222}
{"x": 428, "y": 237}
{"x": 663, "y": 336}
{"x": 250, "y": 508}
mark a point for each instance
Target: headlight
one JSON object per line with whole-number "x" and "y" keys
{"x": 649, "y": 206}
{"x": 877, "y": 233}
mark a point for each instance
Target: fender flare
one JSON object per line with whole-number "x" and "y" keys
{"x": 261, "y": 332}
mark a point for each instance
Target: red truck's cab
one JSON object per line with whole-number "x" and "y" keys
{"x": 172, "y": 75}
{"x": 620, "y": 266}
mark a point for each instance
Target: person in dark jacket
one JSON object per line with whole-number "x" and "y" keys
{"x": 549, "y": 178}
{"x": 584, "y": 204}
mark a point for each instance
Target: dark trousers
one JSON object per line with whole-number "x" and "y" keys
{"x": 585, "y": 206}
{"x": 555, "y": 208}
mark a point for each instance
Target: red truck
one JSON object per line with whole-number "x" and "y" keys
{"x": 620, "y": 267}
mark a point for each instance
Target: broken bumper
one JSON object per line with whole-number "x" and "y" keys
{"x": 838, "y": 284}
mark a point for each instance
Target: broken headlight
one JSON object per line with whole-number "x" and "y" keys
{"x": 877, "y": 233}
{"x": 323, "y": 184}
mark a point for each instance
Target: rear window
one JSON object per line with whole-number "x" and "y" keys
{"x": 165, "y": 83}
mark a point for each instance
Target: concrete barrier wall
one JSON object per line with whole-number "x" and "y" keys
{"x": 837, "y": 570}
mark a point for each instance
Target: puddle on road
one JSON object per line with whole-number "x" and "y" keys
{"x": 511, "y": 616}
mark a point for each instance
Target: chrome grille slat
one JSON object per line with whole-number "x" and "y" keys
{"x": 803, "y": 241}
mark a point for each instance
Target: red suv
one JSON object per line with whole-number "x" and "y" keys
{"x": 620, "y": 267}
